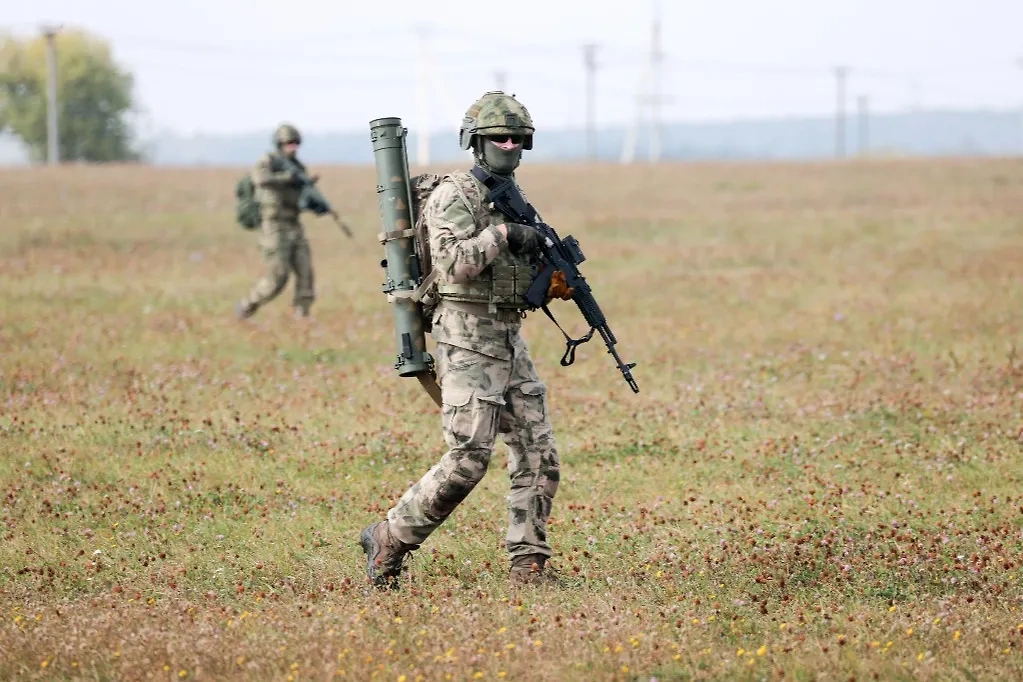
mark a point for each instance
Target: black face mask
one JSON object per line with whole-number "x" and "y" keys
{"x": 496, "y": 160}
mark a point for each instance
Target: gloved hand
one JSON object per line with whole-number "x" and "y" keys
{"x": 522, "y": 239}
{"x": 559, "y": 287}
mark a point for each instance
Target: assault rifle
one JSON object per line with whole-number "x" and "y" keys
{"x": 556, "y": 254}
{"x": 311, "y": 199}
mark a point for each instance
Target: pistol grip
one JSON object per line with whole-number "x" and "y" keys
{"x": 536, "y": 295}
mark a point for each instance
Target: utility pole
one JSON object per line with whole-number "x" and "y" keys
{"x": 52, "y": 131}
{"x": 629, "y": 144}
{"x": 863, "y": 127}
{"x": 656, "y": 59}
{"x": 422, "y": 102}
{"x": 841, "y": 73}
{"x": 650, "y": 98}
{"x": 589, "y": 59}
{"x": 915, "y": 93}
{"x": 501, "y": 79}
{"x": 1019, "y": 63}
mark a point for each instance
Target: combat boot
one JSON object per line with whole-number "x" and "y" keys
{"x": 532, "y": 569}
{"x": 384, "y": 553}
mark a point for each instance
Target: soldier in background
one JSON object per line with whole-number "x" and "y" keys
{"x": 487, "y": 379}
{"x": 282, "y": 239}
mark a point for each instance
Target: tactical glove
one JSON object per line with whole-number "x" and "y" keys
{"x": 522, "y": 239}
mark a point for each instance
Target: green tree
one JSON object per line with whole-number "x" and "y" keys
{"x": 94, "y": 98}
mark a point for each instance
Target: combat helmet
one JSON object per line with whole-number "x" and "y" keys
{"x": 496, "y": 113}
{"x": 286, "y": 133}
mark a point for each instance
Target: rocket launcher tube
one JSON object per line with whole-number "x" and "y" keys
{"x": 394, "y": 196}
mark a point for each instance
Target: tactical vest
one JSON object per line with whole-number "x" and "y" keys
{"x": 503, "y": 283}
{"x": 278, "y": 203}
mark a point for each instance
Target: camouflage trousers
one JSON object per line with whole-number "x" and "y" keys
{"x": 285, "y": 251}
{"x": 482, "y": 397}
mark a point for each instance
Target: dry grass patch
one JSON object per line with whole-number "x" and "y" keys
{"x": 819, "y": 479}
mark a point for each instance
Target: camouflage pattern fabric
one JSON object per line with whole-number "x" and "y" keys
{"x": 482, "y": 397}
{"x": 286, "y": 133}
{"x": 460, "y": 251}
{"x": 276, "y": 189}
{"x": 489, "y": 386}
{"x": 285, "y": 251}
{"x": 473, "y": 264}
{"x": 282, "y": 240}
{"x": 495, "y": 113}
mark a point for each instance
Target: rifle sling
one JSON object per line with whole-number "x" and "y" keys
{"x": 569, "y": 357}
{"x": 490, "y": 183}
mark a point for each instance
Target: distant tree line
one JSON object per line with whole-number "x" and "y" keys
{"x": 94, "y": 98}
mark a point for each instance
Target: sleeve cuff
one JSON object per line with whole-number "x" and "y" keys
{"x": 499, "y": 240}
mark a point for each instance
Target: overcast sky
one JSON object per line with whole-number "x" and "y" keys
{"x": 221, "y": 66}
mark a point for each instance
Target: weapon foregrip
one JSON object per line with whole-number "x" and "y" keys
{"x": 592, "y": 313}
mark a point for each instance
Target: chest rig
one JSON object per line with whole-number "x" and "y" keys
{"x": 502, "y": 285}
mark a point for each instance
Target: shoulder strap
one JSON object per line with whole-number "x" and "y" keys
{"x": 428, "y": 380}
{"x": 484, "y": 177}
{"x": 471, "y": 195}
{"x": 510, "y": 201}
{"x": 275, "y": 162}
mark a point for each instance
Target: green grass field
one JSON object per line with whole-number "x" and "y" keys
{"x": 820, "y": 479}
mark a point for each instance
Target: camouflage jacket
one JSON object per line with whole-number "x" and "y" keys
{"x": 464, "y": 242}
{"x": 275, "y": 192}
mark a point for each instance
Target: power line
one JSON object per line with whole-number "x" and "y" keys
{"x": 470, "y": 60}
{"x": 303, "y": 53}
{"x": 465, "y": 67}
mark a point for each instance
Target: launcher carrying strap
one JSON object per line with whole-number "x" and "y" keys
{"x": 429, "y": 383}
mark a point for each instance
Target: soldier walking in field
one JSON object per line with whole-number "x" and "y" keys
{"x": 278, "y": 186}
{"x": 488, "y": 383}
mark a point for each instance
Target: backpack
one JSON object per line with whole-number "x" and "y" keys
{"x": 422, "y": 187}
{"x": 246, "y": 208}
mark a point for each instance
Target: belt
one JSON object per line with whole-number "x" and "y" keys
{"x": 509, "y": 315}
